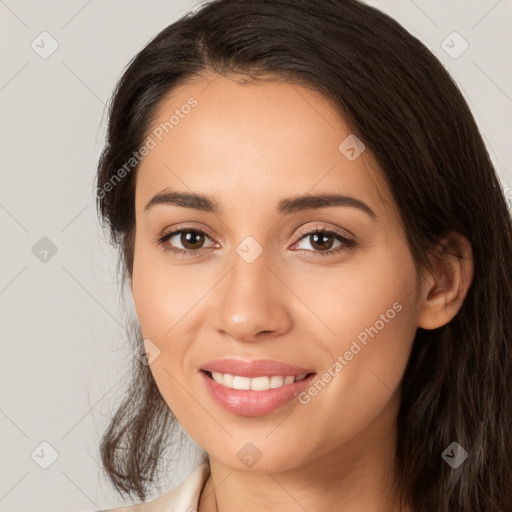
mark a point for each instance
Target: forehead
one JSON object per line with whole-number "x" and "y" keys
{"x": 253, "y": 142}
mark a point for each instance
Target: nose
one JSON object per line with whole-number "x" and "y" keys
{"x": 251, "y": 302}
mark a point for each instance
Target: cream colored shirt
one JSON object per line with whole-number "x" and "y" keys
{"x": 184, "y": 498}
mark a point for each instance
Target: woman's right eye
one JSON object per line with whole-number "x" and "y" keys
{"x": 191, "y": 241}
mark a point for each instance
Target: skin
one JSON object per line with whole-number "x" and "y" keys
{"x": 248, "y": 146}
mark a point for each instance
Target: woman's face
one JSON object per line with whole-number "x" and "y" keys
{"x": 260, "y": 282}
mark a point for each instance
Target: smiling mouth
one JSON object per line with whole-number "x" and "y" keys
{"x": 261, "y": 383}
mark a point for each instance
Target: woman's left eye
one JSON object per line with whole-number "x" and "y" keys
{"x": 322, "y": 241}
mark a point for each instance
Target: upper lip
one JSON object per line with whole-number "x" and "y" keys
{"x": 256, "y": 368}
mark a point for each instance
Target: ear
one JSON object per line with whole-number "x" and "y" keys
{"x": 446, "y": 286}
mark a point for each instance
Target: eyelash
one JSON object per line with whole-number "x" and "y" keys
{"x": 348, "y": 243}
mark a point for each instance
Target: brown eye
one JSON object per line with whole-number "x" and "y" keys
{"x": 324, "y": 242}
{"x": 185, "y": 241}
{"x": 191, "y": 239}
{"x": 321, "y": 241}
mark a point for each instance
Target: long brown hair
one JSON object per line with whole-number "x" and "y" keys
{"x": 401, "y": 102}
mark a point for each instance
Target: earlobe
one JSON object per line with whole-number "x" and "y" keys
{"x": 446, "y": 286}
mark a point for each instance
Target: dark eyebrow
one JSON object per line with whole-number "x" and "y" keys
{"x": 285, "y": 206}
{"x": 316, "y": 201}
{"x": 186, "y": 200}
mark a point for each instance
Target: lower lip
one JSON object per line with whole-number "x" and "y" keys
{"x": 247, "y": 402}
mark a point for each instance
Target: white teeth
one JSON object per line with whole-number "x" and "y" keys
{"x": 227, "y": 379}
{"x": 260, "y": 383}
{"x": 217, "y": 377}
{"x": 256, "y": 383}
{"x": 241, "y": 382}
{"x": 276, "y": 381}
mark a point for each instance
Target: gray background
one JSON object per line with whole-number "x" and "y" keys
{"x": 65, "y": 361}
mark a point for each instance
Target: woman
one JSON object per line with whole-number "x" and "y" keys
{"x": 319, "y": 254}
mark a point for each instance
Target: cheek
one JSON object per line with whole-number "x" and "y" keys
{"x": 162, "y": 295}
{"x": 368, "y": 289}
{"x": 366, "y": 389}
{"x": 162, "y": 299}
{"x": 380, "y": 320}
{"x": 375, "y": 326}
